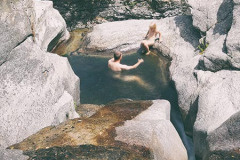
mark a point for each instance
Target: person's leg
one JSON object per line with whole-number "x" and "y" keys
{"x": 145, "y": 45}
{"x": 149, "y": 43}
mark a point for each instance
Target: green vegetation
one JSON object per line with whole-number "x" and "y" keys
{"x": 75, "y": 105}
{"x": 203, "y": 44}
{"x": 130, "y": 3}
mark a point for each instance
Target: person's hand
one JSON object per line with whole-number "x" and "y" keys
{"x": 140, "y": 60}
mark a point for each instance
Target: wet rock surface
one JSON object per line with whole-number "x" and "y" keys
{"x": 98, "y": 133}
{"x": 72, "y": 44}
{"x": 96, "y": 130}
{"x": 84, "y": 152}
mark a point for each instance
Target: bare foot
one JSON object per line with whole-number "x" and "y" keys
{"x": 148, "y": 53}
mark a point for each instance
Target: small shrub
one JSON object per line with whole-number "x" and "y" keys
{"x": 130, "y": 3}
{"x": 203, "y": 44}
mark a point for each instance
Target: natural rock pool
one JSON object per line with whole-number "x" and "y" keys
{"x": 100, "y": 85}
{"x": 151, "y": 80}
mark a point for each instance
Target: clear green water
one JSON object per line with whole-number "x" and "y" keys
{"x": 100, "y": 85}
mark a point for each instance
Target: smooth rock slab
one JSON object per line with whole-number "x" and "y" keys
{"x": 154, "y": 130}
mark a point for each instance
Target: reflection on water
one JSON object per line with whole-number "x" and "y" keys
{"x": 135, "y": 79}
{"x": 100, "y": 85}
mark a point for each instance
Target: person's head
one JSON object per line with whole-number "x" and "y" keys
{"x": 117, "y": 55}
{"x": 153, "y": 27}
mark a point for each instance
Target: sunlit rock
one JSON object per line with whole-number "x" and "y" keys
{"x": 37, "y": 88}
{"x": 49, "y": 28}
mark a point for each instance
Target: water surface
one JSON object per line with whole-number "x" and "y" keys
{"x": 100, "y": 85}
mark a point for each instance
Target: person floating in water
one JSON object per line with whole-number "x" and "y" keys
{"x": 150, "y": 37}
{"x": 115, "y": 65}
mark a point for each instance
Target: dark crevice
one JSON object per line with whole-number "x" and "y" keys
{"x": 3, "y": 62}
{"x": 191, "y": 117}
{"x": 6, "y": 59}
{"x": 22, "y": 41}
{"x": 54, "y": 42}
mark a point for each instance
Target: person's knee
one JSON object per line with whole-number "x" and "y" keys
{"x": 144, "y": 43}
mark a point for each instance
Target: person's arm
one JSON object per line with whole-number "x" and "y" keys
{"x": 147, "y": 34}
{"x": 126, "y": 67}
{"x": 158, "y": 32}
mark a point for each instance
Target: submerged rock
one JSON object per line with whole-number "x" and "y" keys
{"x": 84, "y": 152}
{"x": 37, "y": 88}
{"x": 132, "y": 126}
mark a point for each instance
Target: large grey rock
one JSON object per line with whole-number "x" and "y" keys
{"x": 219, "y": 98}
{"x": 7, "y": 154}
{"x": 152, "y": 128}
{"x": 208, "y": 14}
{"x": 127, "y": 35}
{"x": 49, "y": 26}
{"x": 34, "y": 92}
{"x": 121, "y": 35}
{"x": 37, "y": 88}
{"x": 225, "y": 139}
{"x": 234, "y": 36}
{"x": 214, "y": 59}
{"x": 15, "y": 25}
